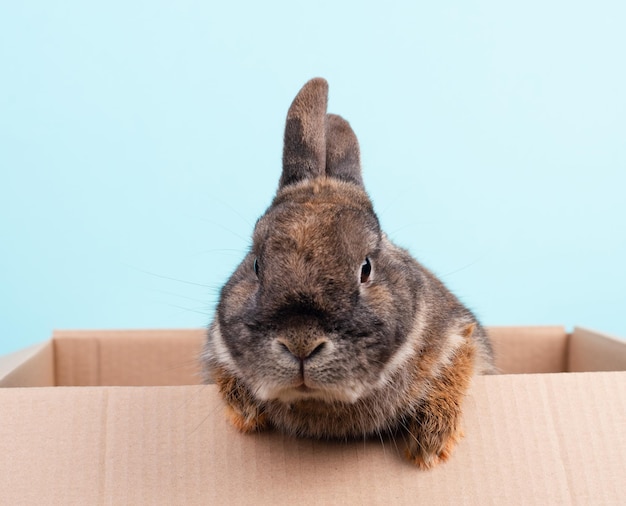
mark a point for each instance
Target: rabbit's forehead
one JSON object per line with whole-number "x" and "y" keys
{"x": 317, "y": 227}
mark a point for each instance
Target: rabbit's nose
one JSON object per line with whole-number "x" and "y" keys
{"x": 302, "y": 350}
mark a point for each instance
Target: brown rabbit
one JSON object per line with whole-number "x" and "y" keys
{"x": 327, "y": 329}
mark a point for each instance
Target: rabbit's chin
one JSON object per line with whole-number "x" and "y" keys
{"x": 289, "y": 395}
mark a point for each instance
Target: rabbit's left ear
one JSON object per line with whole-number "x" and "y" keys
{"x": 343, "y": 158}
{"x": 304, "y": 151}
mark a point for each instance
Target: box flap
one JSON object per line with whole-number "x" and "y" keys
{"x": 593, "y": 351}
{"x": 128, "y": 357}
{"x": 530, "y": 439}
{"x": 529, "y": 349}
{"x": 30, "y": 367}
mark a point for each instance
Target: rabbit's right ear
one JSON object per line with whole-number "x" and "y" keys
{"x": 304, "y": 152}
{"x": 343, "y": 159}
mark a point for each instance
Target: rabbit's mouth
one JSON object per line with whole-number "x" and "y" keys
{"x": 299, "y": 390}
{"x": 303, "y": 391}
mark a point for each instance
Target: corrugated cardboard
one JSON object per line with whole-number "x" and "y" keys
{"x": 552, "y": 437}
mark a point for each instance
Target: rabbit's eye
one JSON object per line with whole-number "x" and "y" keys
{"x": 366, "y": 270}
{"x": 256, "y": 266}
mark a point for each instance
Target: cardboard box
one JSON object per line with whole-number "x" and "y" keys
{"x": 118, "y": 417}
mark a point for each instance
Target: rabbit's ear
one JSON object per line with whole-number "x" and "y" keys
{"x": 343, "y": 159}
{"x": 304, "y": 152}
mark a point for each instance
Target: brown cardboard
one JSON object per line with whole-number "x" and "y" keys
{"x": 30, "y": 367}
{"x": 130, "y": 358}
{"x": 530, "y": 438}
{"x": 541, "y": 350}
{"x": 593, "y": 351}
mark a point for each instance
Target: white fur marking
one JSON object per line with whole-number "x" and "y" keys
{"x": 217, "y": 351}
{"x": 402, "y": 354}
{"x": 453, "y": 342}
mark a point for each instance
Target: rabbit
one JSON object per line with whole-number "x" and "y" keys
{"x": 327, "y": 329}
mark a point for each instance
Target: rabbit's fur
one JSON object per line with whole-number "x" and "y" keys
{"x": 327, "y": 329}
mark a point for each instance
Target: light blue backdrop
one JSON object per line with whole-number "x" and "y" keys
{"x": 139, "y": 142}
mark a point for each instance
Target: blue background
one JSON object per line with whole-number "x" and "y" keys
{"x": 139, "y": 142}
